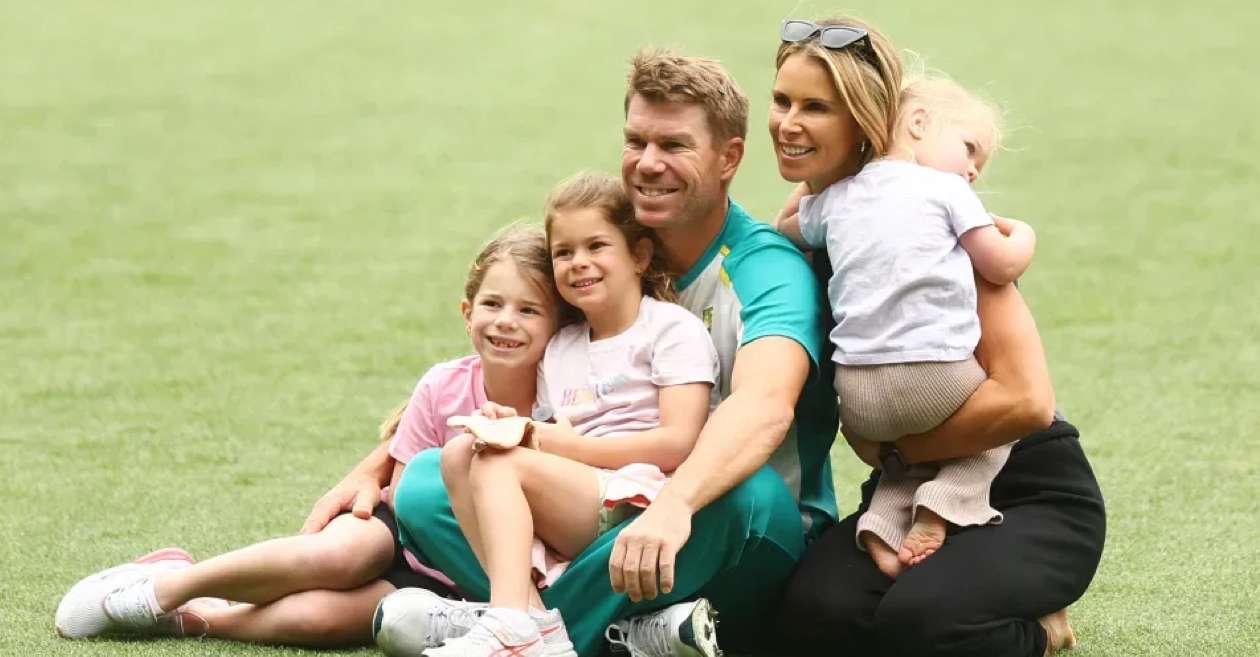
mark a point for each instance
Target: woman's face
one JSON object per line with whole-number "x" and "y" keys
{"x": 815, "y": 136}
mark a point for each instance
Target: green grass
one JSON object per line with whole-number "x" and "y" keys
{"x": 233, "y": 235}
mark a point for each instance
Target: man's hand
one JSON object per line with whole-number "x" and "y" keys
{"x": 647, "y": 548}
{"x": 356, "y": 493}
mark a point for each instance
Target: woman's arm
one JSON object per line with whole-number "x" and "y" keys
{"x": 684, "y": 409}
{"x": 1014, "y": 401}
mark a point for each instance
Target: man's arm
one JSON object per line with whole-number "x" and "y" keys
{"x": 359, "y": 491}
{"x": 1017, "y": 398}
{"x": 738, "y": 438}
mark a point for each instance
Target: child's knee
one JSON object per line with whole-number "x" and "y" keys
{"x": 356, "y": 552}
{"x": 457, "y": 457}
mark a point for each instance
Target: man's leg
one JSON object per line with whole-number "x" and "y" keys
{"x": 751, "y": 537}
{"x": 428, "y": 528}
{"x": 830, "y": 602}
{"x": 742, "y": 548}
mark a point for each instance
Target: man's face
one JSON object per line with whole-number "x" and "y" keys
{"x": 672, "y": 165}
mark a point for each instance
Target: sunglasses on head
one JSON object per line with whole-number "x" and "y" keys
{"x": 831, "y": 37}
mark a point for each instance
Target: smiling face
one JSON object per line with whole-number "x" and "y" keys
{"x": 511, "y": 317}
{"x": 673, "y": 167}
{"x": 596, "y": 270}
{"x": 814, "y": 134}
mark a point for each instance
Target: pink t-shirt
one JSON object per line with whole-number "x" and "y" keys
{"x": 456, "y": 387}
{"x": 613, "y": 385}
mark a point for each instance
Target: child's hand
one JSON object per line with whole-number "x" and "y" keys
{"x": 553, "y": 438}
{"x": 504, "y": 433}
{"x": 496, "y": 411}
{"x": 1007, "y": 226}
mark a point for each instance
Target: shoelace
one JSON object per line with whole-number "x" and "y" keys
{"x": 648, "y": 636}
{"x": 479, "y": 637}
{"x": 443, "y": 619}
{"x": 126, "y": 605}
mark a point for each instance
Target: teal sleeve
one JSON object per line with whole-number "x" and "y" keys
{"x": 777, "y": 292}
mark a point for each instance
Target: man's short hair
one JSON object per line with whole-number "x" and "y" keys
{"x": 661, "y": 75}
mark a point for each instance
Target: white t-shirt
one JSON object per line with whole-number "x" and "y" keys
{"x": 902, "y": 290}
{"x": 612, "y": 385}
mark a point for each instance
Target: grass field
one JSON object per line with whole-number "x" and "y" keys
{"x": 233, "y": 234}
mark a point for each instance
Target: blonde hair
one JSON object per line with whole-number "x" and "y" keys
{"x": 606, "y": 193}
{"x": 661, "y": 75}
{"x": 868, "y": 77}
{"x": 947, "y": 100}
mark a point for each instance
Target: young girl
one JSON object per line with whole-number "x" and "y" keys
{"x": 637, "y": 369}
{"x": 321, "y": 589}
{"x": 903, "y": 237}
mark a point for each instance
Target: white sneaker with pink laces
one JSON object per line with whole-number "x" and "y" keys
{"x": 120, "y": 599}
{"x": 498, "y": 633}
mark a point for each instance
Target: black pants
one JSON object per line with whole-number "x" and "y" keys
{"x": 982, "y": 592}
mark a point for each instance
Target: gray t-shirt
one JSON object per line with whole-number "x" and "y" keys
{"x": 902, "y": 289}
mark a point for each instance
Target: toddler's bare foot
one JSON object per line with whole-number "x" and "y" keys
{"x": 926, "y": 536}
{"x": 1059, "y": 635}
{"x": 885, "y": 557}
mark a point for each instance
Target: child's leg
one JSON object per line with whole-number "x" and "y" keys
{"x": 958, "y": 494}
{"x": 457, "y": 457}
{"x": 344, "y": 555}
{"x": 317, "y": 618}
{"x": 882, "y": 529}
{"x": 520, "y": 493}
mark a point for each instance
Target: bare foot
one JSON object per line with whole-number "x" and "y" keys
{"x": 884, "y": 556}
{"x": 926, "y": 536}
{"x": 1059, "y": 635}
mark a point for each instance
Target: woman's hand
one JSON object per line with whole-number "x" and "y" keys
{"x": 867, "y": 450}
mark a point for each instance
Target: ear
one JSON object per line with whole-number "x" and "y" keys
{"x": 642, "y": 255}
{"x": 465, "y": 309}
{"x": 731, "y": 154}
{"x": 919, "y": 123}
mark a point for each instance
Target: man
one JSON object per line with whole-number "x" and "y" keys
{"x": 735, "y": 517}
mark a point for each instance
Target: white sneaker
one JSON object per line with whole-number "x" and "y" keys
{"x": 492, "y": 636}
{"x": 82, "y": 611}
{"x": 556, "y": 642}
{"x": 409, "y": 621}
{"x": 687, "y": 629}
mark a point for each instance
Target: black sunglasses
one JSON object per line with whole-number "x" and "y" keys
{"x": 831, "y": 37}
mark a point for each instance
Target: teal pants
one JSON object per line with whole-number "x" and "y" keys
{"x": 742, "y": 548}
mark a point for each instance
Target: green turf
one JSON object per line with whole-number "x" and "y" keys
{"x": 233, "y": 234}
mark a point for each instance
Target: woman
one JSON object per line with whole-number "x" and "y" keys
{"x": 990, "y": 590}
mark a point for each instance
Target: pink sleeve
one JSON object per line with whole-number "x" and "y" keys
{"x": 416, "y": 431}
